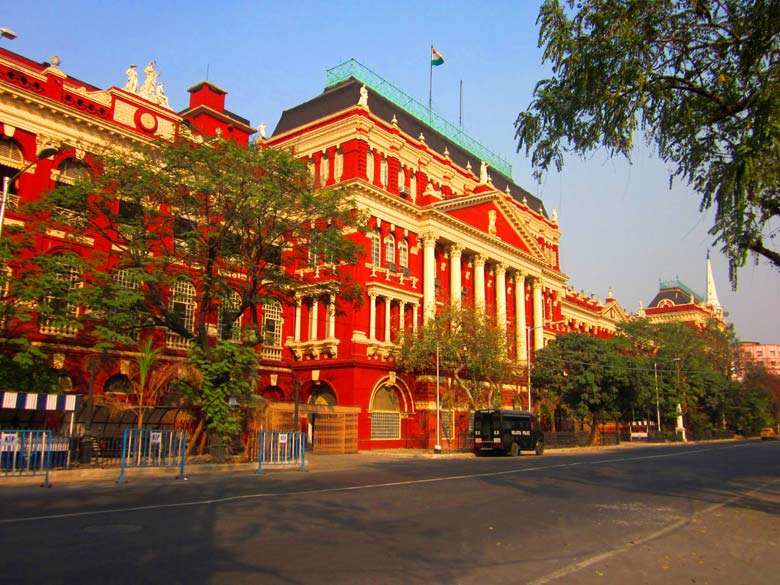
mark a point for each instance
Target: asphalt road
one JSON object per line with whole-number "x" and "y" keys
{"x": 705, "y": 513}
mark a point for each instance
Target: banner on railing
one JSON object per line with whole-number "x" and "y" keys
{"x": 153, "y": 448}
{"x": 281, "y": 448}
{"x": 25, "y": 453}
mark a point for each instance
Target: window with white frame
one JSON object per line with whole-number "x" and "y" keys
{"x": 60, "y": 310}
{"x": 370, "y": 166}
{"x": 390, "y": 252}
{"x": 182, "y": 304}
{"x": 228, "y": 323}
{"x": 272, "y": 331}
{"x": 403, "y": 257}
{"x": 376, "y": 249}
{"x": 383, "y": 172}
{"x": 338, "y": 169}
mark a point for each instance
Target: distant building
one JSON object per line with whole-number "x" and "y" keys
{"x": 759, "y": 354}
{"x": 677, "y": 303}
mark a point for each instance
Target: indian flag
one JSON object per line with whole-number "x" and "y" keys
{"x": 436, "y": 57}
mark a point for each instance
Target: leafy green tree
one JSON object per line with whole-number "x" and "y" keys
{"x": 472, "y": 351}
{"x": 698, "y": 78}
{"x": 225, "y": 373}
{"x": 588, "y": 374}
{"x": 755, "y": 400}
{"x": 183, "y": 235}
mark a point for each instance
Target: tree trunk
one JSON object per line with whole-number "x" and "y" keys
{"x": 195, "y": 436}
{"x": 594, "y": 431}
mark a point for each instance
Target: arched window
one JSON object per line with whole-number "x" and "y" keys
{"x": 60, "y": 313}
{"x": 385, "y": 414}
{"x": 413, "y": 186}
{"x": 376, "y": 258}
{"x": 390, "y": 252}
{"x": 323, "y": 394}
{"x": 228, "y": 320}
{"x": 339, "y": 166}
{"x": 403, "y": 257}
{"x": 182, "y": 305}
{"x": 370, "y": 166}
{"x": 383, "y": 172}
{"x": 11, "y": 160}
{"x": 70, "y": 170}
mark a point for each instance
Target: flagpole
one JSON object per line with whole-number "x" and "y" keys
{"x": 430, "y": 79}
{"x": 460, "y": 109}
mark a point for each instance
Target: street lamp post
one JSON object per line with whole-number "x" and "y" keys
{"x": 657, "y": 403}
{"x": 437, "y": 446}
{"x": 45, "y": 153}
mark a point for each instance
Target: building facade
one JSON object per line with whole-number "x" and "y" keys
{"x": 447, "y": 227}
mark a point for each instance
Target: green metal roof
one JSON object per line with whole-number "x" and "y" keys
{"x": 353, "y": 69}
{"x": 677, "y": 283}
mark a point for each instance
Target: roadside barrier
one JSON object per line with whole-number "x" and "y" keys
{"x": 281, "y": 448}
{"x": 25, "y": 453}
{"x": 151, "y": 448}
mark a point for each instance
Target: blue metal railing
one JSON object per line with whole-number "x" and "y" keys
{"x": 153, "y": 448}
{"x": 24, "y": 452}
{"x": 352, "y": 68}
{"x": 281, "y": 448}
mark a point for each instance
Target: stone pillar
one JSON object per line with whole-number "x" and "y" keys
{"x": 538, "y": 315}
{"x": 501, "y": 295}
{"x": 372, "y": 316}
{"x": 479, "y": 284}
{"x": 521, "y": 335}
{"x": 429, "y": 276}
{"x": 415, "y": 313}
{"x": 298, "y": 310}
{"x": 456, "y": 252}
{"x": 401, "y": 317}
{"x": 313, "y": 319}
{"x": 331, "y": 331}
{"x": 388, "y": 307}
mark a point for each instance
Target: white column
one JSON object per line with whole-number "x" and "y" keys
{"x": 388, "y": 307}
{"x": 456, "y": 252}
{"x": 298, "y": 305}
{"x": 331, "y": 332}
{"x": 538, "y": 315}
{"x": 501, "y": 295}
{"x": 372, "y": 316}
{"x": 401, "y": 317}
{"x": 520, "y": 334}
{"x": 429, "y": 276}
{"x": 314, "y": 317}
{"x": 479, "y": 283}
{"x": 415, "y": 313}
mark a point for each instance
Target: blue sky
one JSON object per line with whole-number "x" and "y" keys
{"x": 621, "y": 225}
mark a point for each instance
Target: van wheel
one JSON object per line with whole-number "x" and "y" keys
{"x": 514, "y": 450}
{"x": 539, "y": 447}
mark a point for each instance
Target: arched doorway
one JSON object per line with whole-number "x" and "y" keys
{"x": 390, "y": 403}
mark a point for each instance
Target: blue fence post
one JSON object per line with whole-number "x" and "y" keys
{"x": 124, "y": 457}
{"x": 281, "y": 448}
{"x": 153, "y": 448}
{"x": 26, "y": 452}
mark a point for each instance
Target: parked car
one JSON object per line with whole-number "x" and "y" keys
{"x": 768, "y": 433}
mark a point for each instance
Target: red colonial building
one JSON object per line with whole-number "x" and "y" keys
{"x": 447, "y": 226}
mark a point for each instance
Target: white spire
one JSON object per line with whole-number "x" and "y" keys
{"x": 712, "y": 294}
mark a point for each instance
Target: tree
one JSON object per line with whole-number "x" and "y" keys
{"x": 587, "y": 373}
{"x": 693, "y": 367}
{"x": 185, "y": 235}
{"x": 471, "y": 350}
{"x": 698, "y": 78}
